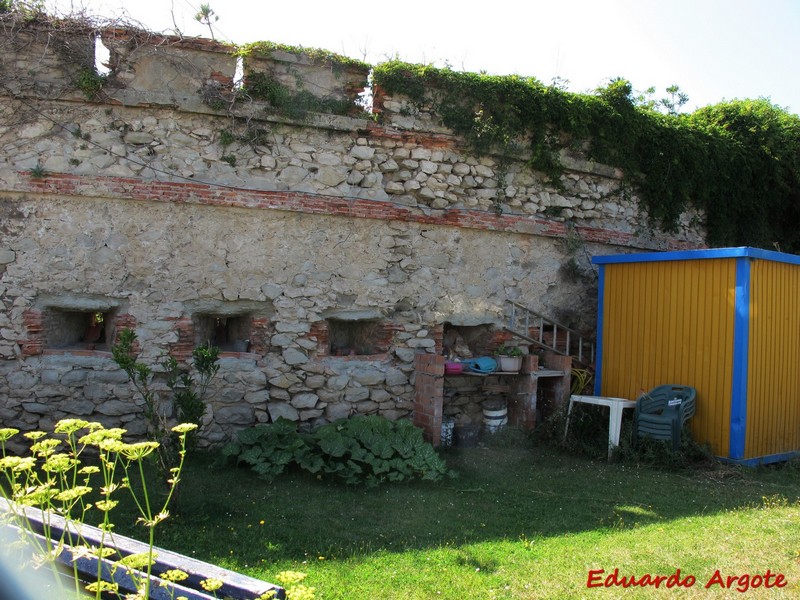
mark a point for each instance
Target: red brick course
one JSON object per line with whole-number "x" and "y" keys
{"x": 182, "y": 192}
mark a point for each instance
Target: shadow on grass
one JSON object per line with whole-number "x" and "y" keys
{"x": 504, "y": 491}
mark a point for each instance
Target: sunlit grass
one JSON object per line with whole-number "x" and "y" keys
{"x": 517, "y": 523}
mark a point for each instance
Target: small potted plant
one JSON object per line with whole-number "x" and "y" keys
{"x": 509, "y": 359}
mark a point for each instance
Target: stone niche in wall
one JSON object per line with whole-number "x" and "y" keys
{"x": 354, "y": 333}
{"x": 78, "y": 322}
{"x": 238, "y": 326}
{"x": 468, "y": 341}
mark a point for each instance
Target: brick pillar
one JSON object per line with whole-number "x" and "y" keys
{"x": 319, "y": 332}
{"x": 182, "y": 349}
{"x": 437, "y": 334}
{"x": 522, "y": 399}
{"x": 33, "y": 344}
{"x": 429, "y": 395}
{"x": 123, "y": 321}
{"x": 260, "y": 335}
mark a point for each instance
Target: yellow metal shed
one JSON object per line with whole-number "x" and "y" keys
{"x": 725, "y": 321}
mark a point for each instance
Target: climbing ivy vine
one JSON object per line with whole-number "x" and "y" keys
{"x": 738, "y": 162}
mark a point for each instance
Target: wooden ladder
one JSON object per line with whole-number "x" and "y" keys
{"x": 546, "y": 333}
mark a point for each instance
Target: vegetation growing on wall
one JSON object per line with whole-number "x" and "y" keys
{"x": 738, "y": 161}
{"x": 300, "y": 103}
{"x": 317, "y": 56}
{"x": 24, "y": 7}
{"x": 295, "y": 105}
{"x": 90, "y": 82}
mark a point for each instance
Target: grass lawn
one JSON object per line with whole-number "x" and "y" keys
{"x": 518, "y": 522}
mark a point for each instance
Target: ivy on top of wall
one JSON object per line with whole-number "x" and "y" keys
{"x": 317, "y": 56}
{"x": 737, "y": 161}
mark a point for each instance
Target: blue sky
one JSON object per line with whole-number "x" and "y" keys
{"x": 713, "y": 49}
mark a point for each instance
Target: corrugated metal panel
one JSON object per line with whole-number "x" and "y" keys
{"x": 773, "y": 391}
{"x": 672, "y": 322}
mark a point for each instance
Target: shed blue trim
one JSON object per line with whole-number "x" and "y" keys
{"x": 761, "y": 460}
{"x": 601, "y": 300}
{"x": 741, "y": 344}
{"x": 742, "y": 252}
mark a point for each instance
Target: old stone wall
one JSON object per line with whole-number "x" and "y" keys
{"x": 321, "y": 253}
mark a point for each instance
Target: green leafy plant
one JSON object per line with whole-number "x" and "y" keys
{"x": 38, "y": 171}
{"x": 362, "y": 449}
{"x": 317, "y": 55}
{"x": 509, "y": 351}
{"x": 53, "y": 479}
{"x": 271, "y": 448}
{"x": 27, "y": 8}
{"x": 371, "y": 449}
{"x": 207, "y": 16}
{"x": 188, "y": 396}
{"x": 226, "y": 137}
{"x": 140, "y": 375}
{"x": 295, "y": 105}
{"x": 90, "y": 82}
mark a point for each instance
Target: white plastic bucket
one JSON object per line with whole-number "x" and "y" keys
{"x": 495, "y": 418}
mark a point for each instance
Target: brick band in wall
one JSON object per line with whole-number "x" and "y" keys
{"x": 126, "y": 188}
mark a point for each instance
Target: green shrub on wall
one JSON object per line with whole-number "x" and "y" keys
{"x": 738, "y": 161}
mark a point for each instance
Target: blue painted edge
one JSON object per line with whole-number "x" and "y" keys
{"x": 741, "y": 252}
{"x": 761, "y": 460}
{"x": 741, "y": 340}
{"x": 598, "y": 351}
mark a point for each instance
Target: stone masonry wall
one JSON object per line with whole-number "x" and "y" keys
{"x": 325, "y": 252}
